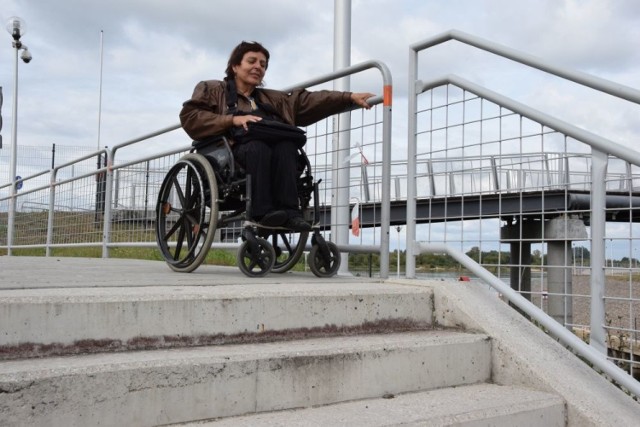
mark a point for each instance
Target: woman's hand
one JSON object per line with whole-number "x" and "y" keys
{"x": 245, "y": 120}
{"x": 361, "y": 99}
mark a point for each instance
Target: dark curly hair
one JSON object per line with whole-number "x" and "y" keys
{"x": 238, "y": 53}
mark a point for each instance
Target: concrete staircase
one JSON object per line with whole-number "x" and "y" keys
{"x": 138, "y": 345}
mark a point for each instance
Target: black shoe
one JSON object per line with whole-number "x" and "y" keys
{"x": 297, "y": 223}
{"x": 273, "y": 219}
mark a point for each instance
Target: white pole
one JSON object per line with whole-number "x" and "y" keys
{"x": 100, "y": 87}
{"x": 14, "y": 152}
{"x": 341, "y": 141}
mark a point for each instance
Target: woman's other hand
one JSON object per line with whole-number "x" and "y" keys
{"x": 245, "y": 120}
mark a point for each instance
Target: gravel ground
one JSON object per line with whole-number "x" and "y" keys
{"x": 622, "y": 309}
{"x": 622, "y": 301}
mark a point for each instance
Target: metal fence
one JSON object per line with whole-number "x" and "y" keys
{"x": 34, "y": 159}
{"x": 78, "y": 204}
{"x": 546, "y": 207}
{"x": 549, "y": 207}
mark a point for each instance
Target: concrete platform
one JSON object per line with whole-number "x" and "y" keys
{"x": 521, "y": 355}
{"x": 63, "y": 272}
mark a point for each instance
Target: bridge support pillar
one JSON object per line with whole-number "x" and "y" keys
{"x": 560, "y": 282}
{"x": 558, "y": 233}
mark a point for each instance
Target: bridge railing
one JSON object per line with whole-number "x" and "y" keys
{"x": 449, "y": 176}
{"x": 106, "y": 199}
{"x": 471, "y": 185}
{"x": 475, "y": 175}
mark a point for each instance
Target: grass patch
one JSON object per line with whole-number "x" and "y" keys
{"x": 214, "y": 256}
{"x": 86, "y": 227}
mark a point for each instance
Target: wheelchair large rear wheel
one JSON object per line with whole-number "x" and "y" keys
{"x": 289, "y": 247}
{"x": 187, "y": 213}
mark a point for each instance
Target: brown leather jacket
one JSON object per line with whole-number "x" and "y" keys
{"x": 205, "y": 114}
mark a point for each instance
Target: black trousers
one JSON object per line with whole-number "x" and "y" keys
{"x": 273, "y": 176}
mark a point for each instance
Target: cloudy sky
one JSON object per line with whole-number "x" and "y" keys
{"x": 155, "y": 51}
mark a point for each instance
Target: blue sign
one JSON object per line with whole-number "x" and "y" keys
{"x": 19, "y": 183}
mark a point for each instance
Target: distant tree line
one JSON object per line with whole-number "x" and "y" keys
{"x": 438, "y": 261}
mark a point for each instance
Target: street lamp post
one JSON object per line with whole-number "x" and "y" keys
{"x": 16, "y": 28}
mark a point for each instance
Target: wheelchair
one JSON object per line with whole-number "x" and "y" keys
{"x": 206, "y": 191}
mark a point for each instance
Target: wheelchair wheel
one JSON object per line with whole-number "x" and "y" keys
{"x": 187, "y": 213}
{"x": 321, "y": 265}
{"x": 289, "y": 248}
{"x": 256, "y": 264}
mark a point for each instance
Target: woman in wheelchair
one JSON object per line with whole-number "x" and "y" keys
{"x": 230, "y": 107}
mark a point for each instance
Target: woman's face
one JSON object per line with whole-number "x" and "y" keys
{"x": 251, "y": 69}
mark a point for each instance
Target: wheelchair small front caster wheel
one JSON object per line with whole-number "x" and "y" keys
{"x": 324, "y": 262}
{"x": 256, "y": 259}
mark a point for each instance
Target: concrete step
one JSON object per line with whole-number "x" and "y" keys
{"x": 61, "y": 321}
{"x": 181, "y": 385}
{"x": 473, "y": 405}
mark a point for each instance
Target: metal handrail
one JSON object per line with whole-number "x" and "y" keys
{"x": 596, "y": 358}
{"x": 597, "y": 83}
{"x": 588, "y": 80}
{"x": 601, "y": 147}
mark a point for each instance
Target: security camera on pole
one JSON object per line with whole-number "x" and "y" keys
{"x": 16, "y": 28}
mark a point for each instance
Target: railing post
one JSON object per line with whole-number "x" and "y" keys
{"x": 432, "y": 178}
{"x": 452, "y": 181}
{"x": 385, "y": 214}
{"x": 547, "y": 170}
{"x": 598, "y": 219}
{"x": 628, "y": 181}
{"x": 365, "y": 194}
{"x": 410, "y": 262}
{"x": 106, "y": 228}
{"x": 494, "y": 172}
{"x": 52, "y": 204}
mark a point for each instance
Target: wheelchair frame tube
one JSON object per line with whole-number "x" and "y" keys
{"x": 248, "y": 197}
